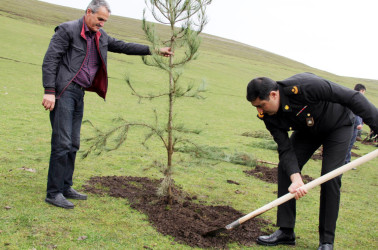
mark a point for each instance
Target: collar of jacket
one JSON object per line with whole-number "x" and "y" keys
{"x": 98, "y": 33}
{"x": 284, "y": 100}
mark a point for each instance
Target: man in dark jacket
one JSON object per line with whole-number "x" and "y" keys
{"x": 75, "y": 62}
{"x": 319, "y": 112}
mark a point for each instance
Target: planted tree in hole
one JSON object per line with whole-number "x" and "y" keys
{"x": 186, "y": 20}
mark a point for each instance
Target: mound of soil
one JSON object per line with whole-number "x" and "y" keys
{"x": 270, "y": 174}
{"x": 317, "y": 156}
{"x": 186, "y": 220}
{"x": 365, "y": 142}
{"x": 233, "y": 182}
{"x": 355, "y": 155}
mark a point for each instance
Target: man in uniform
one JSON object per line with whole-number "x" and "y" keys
{"x": 319, "y": 112}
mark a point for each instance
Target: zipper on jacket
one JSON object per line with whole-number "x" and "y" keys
{"x": 86, "y": 54}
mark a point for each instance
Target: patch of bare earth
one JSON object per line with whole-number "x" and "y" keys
{"x": 319, "y": 153}
{"x": 270, "y": 174}
{"x": 187, "y": 220}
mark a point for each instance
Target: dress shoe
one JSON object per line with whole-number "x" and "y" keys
{"x": 73, "y": 194}
{"x": 325, "y": 246}
{"x": 278, "y": 237}
{"x": 60, "y": 201}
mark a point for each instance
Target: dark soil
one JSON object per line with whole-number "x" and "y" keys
{"x": 270, "y": 174}
{"x": 317, "y": 156}
{"x": 233, "y": 182}
{"x": 365, "y": 142}
{"x": 187, "y": 219}
{"x": 355, "y": 155}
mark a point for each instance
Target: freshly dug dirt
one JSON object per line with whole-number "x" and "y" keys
{"x": 270, "y": 174}
{"x": 187, "y": 220}
{"x": 318, "y": 155}
{"x": 355, "y": 155}
{"x": 233, "y": 182}
{"x": 365, "y": 142}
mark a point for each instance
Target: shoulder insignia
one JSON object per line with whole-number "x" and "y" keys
{"x": 292, "y": 90}
{"x": 295, "y": 90}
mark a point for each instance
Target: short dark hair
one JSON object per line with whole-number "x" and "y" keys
{"x": 260, "y": 88}
{"x": 359, "y": 87}
{"x": 94, "y": 5}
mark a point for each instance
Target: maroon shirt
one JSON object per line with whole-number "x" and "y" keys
{"x": 92, "y": 61}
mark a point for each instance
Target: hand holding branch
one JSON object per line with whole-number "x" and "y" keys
{"x": 166, "y": 51}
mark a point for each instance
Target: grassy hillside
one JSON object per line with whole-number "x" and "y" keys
{"x": 26, "y": 222}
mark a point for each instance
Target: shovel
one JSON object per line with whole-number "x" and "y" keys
{"x": 289, "y": 196}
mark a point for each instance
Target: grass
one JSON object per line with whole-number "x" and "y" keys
{"x": 26, "y": 222}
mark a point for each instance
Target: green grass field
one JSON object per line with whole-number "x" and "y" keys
{"x": 27, "y": 222}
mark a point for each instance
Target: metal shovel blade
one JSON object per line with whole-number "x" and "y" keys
{"x": 223, "y": 229}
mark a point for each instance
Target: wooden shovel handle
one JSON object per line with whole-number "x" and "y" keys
{"x": 308, "y": 186}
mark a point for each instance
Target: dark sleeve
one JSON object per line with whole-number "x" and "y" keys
{"x": 118, "y": 46}
{"x": 288, "y": 159}
{"x": 57, "y": 48}
{"x": 320, "y": 89}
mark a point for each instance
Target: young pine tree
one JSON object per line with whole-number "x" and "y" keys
{"x": 186, "y": 20}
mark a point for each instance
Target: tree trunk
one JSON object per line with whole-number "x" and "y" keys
{"x": 170, "y": 125}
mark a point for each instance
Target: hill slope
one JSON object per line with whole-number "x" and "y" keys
{"x": 227, "y": 66}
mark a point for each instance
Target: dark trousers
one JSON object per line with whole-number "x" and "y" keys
{"x": 335, "y": 146}
{"x": 352, "y": 141}
{"x": 65, "y": 120}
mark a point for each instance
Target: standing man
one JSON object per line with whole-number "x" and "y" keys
{"x": 319, "y": 112}
{"x": 357, "y": 125}
{"x": 75, "y": 62}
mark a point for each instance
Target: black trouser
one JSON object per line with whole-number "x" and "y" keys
{"x": 65, "y": 118}
{"x": 335, "y": 146}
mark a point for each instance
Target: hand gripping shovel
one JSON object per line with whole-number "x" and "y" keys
{"x": 289, "y": 196}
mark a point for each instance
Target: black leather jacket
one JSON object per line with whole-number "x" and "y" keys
{"x": 67, "y": 51}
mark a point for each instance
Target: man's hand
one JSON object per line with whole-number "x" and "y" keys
{"x": 166, "y": 51}
{"x": 296, "y": 186}
{"x": 48, "y": 101}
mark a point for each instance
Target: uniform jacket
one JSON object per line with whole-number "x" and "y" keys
{"x": 67, "y": 51}
{"x": 316, "y": 106}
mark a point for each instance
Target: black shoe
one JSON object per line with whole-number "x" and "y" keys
{"x": 60, "y": 201}
{"x": 325, "y": 246}
{"x": 73, "y": 194}
{"x": 278, "y": 237}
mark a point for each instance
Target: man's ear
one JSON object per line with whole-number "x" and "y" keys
{"x": 273, "y": 94}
